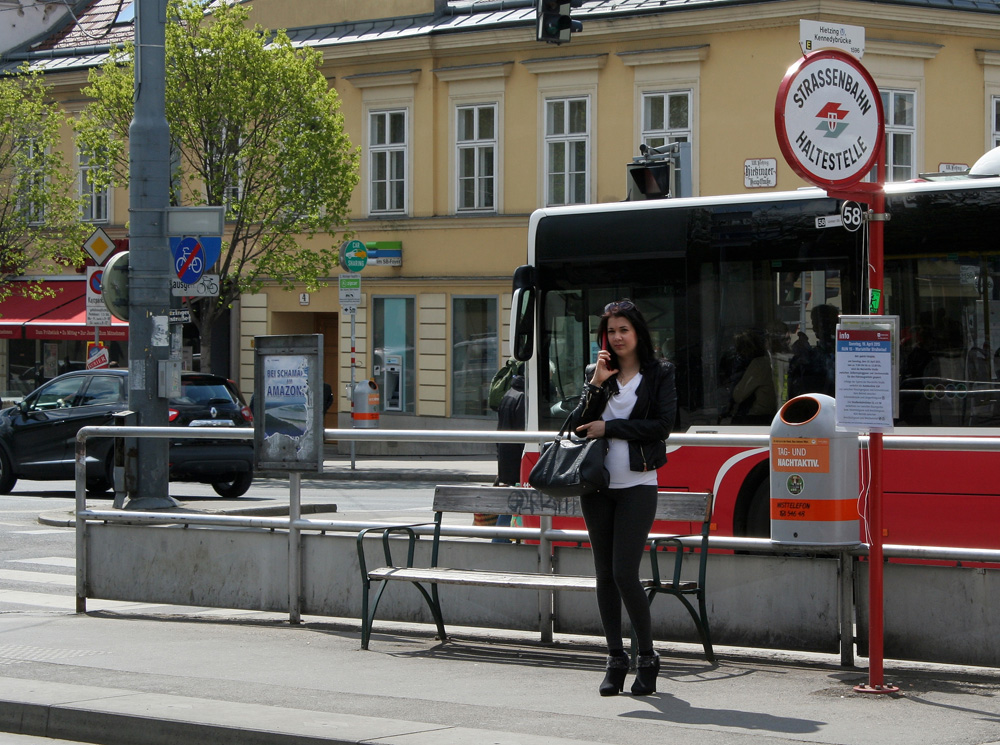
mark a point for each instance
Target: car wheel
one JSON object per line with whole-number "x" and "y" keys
{"x": 7, "y": 477}
{"x": 235, "y": 488}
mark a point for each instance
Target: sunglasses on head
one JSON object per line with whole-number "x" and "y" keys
{"x": 618, "y": 305}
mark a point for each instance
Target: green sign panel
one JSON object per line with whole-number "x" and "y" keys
{"x": 353, "y": 256}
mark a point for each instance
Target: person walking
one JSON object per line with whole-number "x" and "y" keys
{"x": 631, "y": 400}
{"x": 510, "y": 418}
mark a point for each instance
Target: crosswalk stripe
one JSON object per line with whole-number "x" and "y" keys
{"x": 66, "y": 602}
{"x": 41, "y": 531}
{"x": 44, "y": 578}
{"x": 55, "y": 561}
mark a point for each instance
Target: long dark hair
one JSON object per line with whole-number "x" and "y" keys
{"x": 628, "y": 310}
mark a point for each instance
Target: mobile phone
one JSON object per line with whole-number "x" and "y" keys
{"x": 604, "y": 341}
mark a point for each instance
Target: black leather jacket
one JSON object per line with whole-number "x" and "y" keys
{"x": 651, "y": 420}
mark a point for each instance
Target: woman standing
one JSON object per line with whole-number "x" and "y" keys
{"x": 631, "y": 400}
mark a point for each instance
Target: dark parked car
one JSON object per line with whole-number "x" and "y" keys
{"x": 38, "y": 435}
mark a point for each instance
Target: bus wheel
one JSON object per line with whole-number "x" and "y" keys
{"x": 758, "y": 523}
{"x": 752, "y": 514}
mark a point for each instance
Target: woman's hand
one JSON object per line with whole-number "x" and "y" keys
{"x": 591, "y": 430}
{"x": 601, "y": 371}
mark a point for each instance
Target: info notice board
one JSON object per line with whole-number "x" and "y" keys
{"x": 867, "y": 370}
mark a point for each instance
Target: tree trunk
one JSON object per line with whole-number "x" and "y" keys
{"x": 206, "y": 345}
{"x": 204, "y": 314}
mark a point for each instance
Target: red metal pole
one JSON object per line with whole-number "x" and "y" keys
{"x": 876, "y": 683}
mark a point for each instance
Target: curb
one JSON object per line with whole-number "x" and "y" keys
{"x": 122, "y": 717}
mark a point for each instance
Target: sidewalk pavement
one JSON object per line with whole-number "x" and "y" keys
{"x": 142, "y": 674}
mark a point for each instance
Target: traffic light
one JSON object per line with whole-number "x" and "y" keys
{"x": 652, "y": 180}
{"x": 660, "y": 172}
{"x": 554, "y": 22}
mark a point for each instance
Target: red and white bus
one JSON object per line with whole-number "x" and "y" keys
{"x": 727, "y": 280}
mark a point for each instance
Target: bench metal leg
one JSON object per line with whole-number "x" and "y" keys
{"x": 700, "y": 620}
{"x": 434, "y": 602}
{"x": 368, "y": 618}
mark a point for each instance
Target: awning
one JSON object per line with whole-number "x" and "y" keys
{"x": 62, "y": 316}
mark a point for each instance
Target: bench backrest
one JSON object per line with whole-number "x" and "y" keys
{"x": 512, "y": 500}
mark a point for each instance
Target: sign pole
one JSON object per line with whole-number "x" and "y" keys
{"x": 833, "y": 136}
{"x": 147, "y": 464}
{"x": 354, "y": 315}
{"x": 876, "y": 300}
{"x": 353, "y": 258}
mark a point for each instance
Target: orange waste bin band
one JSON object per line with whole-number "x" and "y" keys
{"x": 814, "y": 510}
{"x": 360, "y": 415}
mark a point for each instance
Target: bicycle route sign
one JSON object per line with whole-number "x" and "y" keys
{"x": 205, "y": 286}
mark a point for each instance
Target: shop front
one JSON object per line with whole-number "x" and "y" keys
{"x": 45, "y": 337}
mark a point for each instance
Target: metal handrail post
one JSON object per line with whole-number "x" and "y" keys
{"x": 80, "y": 473}
{"x": 545, "y": 597}
{"x": 845, "y": 571}
{"x": 294, "y": 548}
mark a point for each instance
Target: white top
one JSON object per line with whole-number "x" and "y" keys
{"x": 619, "y": 407}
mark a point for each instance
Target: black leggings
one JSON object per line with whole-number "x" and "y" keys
{"x": 619, "y": 521}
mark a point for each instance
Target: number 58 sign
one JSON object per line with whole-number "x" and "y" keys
{"x": 853, "y": 215}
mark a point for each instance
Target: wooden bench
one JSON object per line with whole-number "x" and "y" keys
{"x": 694, "y": 507}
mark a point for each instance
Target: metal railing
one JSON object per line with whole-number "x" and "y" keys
{"x": 891, "y": 442}
{"x": 295, "y": 524}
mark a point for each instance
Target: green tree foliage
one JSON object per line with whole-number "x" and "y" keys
{"x": 40, "y": 222}
{"x": 257, "y": 129}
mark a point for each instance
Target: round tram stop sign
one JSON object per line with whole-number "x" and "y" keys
{"x": 828, "y": 118}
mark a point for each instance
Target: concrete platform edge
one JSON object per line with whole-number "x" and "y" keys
{"x": 119, "y": 717}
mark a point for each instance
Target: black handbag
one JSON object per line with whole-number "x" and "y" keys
{"x": 570, "y": 466}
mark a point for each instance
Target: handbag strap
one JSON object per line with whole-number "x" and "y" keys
{"x": 564, "y": 429}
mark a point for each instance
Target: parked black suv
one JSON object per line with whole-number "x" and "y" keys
{"x": 38, "y": 435}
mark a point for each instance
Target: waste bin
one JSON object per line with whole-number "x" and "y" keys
{"x": 364, "y": 405}
{"x": 814, "y": 475}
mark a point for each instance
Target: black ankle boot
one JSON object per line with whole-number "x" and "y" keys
{"x": 647, "y": 667}
{"x": 614, "y": 678}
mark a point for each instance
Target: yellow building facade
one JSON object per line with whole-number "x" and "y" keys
{"x": 466, "y": 124}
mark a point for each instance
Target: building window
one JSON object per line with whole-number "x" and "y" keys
{"x": 474, "y": 354}
{"x": 666, "y": 118}
{"x": 232, "y": 190}
{"x": 232, "y": 194}
{"x": 31, "y": 189}
{"x": 567, "y": 150}
{"x": 393, "y": 359}
{"x": 476, "y": 137}
{"x": 996, "y": 121}
{"x": 387, "y": 160}
{"x": 95, "y": 200}
{"x": 899, "y": 107}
